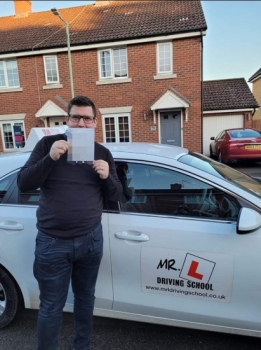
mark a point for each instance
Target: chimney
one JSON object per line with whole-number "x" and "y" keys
{"x": 102, "y": 2}
{"x": 22, "y": 8}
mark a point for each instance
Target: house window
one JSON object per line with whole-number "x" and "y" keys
{"x": 164, "y": 58}
{"x": 10, "y": 140}
{"x": 51, "y": 70}
{"x": 9, "y": 74}
{"x": 113, "y": 63}
{"x": 116, "y": 128}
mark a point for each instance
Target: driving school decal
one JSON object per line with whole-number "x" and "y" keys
{"x": 189, "y": 274}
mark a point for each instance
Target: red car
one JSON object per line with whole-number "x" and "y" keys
{"x": 232, "y": 145}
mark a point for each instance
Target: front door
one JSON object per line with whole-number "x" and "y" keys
{"x": 176, "y": 253}
{"x": 170, "y": 125}
{"x": 57, "y": 121}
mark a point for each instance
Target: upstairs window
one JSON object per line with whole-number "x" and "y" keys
{"x": 9, "y": 74}
{"x": 51, "y": 70}
{"x": 164, "y": 58}
{"x": 113, "y": 63}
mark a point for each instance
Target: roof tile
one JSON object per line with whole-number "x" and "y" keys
{"x": 118, "y": 20}
{"x": 227, "y": 94}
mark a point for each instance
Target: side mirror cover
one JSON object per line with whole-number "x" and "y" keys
{"x": 248, "y": 220}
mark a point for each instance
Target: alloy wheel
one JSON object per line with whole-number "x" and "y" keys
{"x": 2, "y": 299}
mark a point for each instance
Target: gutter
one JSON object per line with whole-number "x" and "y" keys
{"x": 101, "y": 45}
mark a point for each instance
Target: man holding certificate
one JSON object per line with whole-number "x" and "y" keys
{"x": 75, "y": 174}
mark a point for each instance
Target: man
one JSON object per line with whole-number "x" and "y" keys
{"x": 69, "y": 242}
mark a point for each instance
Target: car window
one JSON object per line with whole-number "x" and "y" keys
{"x": 221, "y": 136}
{"x": 241, "y": 134}
{"x": 157, "y": 190}
{"x": 5, "y": 185}
{"x": 218, "y": 135}
{"x": 204, "y": 163}
{"x": 29, "y": 198}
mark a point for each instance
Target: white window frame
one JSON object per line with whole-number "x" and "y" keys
{"x": 12, "y": 122}
{"x": 171, "y": 58}
{"x": 57, "y": 70}
{"x": 112, "y": 64}
{"x": 116, "y": 123}
{"x": 6, "y": 86}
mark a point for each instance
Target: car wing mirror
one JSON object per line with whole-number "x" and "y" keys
{"x": 248, "y": 220}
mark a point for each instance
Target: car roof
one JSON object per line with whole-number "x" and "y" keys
{"x": 162, "y": 150}
{"x": 12, "y": 161}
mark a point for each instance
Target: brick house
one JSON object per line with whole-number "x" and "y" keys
{"x": 140, "y": 61}
{"x": 255, "y": 79}
{"x": 227, "y": 103}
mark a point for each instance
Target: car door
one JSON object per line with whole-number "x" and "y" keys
{"x": 176, "y": 253}
{"x": 17, "y": 235}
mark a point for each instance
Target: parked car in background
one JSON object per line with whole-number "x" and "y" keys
{"x": 183, "y": 249}
{"x": 233, "y": 145}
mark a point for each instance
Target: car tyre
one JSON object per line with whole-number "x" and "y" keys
{"x": 10, "y": 298}
{"x": 210, "y": 153}
{"x": 220, "y": 158}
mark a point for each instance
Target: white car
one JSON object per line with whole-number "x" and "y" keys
{"x": 182, "y": 250}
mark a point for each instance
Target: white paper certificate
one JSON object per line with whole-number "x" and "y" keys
{"x": 81, "y": 144}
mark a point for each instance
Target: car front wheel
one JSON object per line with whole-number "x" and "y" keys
{"x": 9, "y": 298}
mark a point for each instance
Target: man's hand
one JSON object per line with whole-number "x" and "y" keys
{"x": 58, "y": 148}
{"x": 102, "y": 168}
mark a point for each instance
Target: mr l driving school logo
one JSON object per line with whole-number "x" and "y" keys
{"x": 196, "y": 270}
{"x": 190, "y": 274}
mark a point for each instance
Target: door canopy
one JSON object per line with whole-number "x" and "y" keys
{"x": 50, "y": 109}
{"x": 170, "y": 99}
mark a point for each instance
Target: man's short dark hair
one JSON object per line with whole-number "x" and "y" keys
{"x": 81, "y": 101}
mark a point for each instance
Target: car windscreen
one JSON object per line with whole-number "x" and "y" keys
{"x": 244, "y": 134}
{"x": 222, "y": 171}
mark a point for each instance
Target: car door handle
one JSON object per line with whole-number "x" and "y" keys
{"x": 11, "y": 226}
{"x": 132, "y": 236}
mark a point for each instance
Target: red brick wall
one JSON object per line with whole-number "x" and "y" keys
{"x": 140, "y": 93}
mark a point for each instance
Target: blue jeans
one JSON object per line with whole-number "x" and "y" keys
{"x": 56, "y": 262}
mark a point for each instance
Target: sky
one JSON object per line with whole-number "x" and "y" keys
{"x": 232, "y": 45}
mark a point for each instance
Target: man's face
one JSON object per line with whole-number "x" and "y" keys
{"x": 73, "y": 120}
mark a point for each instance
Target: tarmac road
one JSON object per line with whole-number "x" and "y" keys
{"x": 253, "y": 169}
{"x": 110, "y": 334}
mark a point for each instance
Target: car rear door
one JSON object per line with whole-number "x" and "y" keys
{"x": 176, "y": 253}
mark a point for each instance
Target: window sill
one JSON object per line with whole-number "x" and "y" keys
{"x": 52, "y": 86}
{"x": 113, "y": 81}
{"x": 165, "y": 76}
{"x": 10, "y": 90}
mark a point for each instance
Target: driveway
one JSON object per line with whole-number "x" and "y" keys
{"x": 253, "y": 169}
